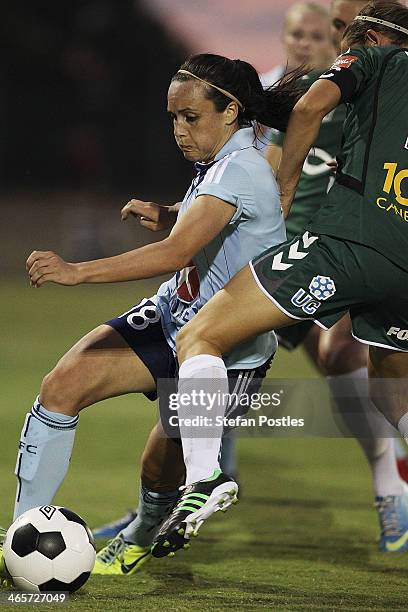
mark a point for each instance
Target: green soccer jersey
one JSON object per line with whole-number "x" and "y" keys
{"x": 368, "y": 203}
{"x": 316, "y": 178}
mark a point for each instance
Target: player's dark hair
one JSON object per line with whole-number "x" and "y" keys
{"x": 271, "y": 106}
{"x": 390, "y": 10}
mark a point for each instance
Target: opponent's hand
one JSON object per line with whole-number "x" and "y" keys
{"x": 153, "y": 216}
{"x": 46, "y": 266}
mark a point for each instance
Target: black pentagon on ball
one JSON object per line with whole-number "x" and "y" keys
{"x": 51, "y": 544}
{"x": 25, "y": 540}
{"x": 58, "y": 585}
{"x": 71, "y": 516}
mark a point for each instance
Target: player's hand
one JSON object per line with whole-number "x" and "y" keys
{"x": 46, "y": 266}
{"x": 153, "y": 216}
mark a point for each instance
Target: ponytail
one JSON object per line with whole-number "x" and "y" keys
{"x": 239, "y": 79}
{"x": 272, "y": 106}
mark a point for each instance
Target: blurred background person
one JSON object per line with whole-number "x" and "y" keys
{"x": 305, "y": 39}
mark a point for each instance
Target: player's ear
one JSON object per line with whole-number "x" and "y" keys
{"x": 231, "y": 113}
{"x": 373, "y": 38}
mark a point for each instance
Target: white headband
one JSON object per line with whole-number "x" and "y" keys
{"x": 223, "y": 91}
{"x": 389, "y": 24}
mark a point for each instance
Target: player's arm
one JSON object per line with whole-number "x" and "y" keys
{"x": 203, "y": 221}
{"x": 303, "y": 128}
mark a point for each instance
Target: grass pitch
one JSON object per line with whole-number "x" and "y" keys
{"x": 302, "y": 538}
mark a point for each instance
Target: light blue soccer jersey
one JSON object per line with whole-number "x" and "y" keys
{"x": 242, "y": 177}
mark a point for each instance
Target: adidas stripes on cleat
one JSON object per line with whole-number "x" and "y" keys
{"x": 120, "y": 558}
{"x": 198, "y": 502}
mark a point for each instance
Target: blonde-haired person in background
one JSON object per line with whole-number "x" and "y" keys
{"x": 306, "y": 42}
{"x": 305, "y": 39}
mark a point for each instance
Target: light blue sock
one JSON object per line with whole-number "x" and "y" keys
{"x": 152, "y": 511}
{"x": 44, "y": 452}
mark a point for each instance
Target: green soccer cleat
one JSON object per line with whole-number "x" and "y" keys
{"x": 120, "y": 558}
{"x": 198, "y": 502}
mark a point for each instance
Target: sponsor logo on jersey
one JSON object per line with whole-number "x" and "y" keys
{"x": 395, "y": 186}
{"x": 388, "y": 206}
{"x": 344, "y": 61}
{"x": 402, "y": 334}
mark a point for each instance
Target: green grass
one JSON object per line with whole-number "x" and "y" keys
{"x": 302, "y": 538}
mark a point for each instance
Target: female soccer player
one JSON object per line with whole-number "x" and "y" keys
{"x": 338, "y": 356}
{"x": 350, "y": 258}
{"x": 306, "y": 41}
{"x": 230, "y": 213}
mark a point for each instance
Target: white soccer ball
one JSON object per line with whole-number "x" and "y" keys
{"x": 49, "y": 548}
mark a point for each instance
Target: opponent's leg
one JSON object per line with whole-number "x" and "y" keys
{"x": 388, "y": 371}
{"x": 344, "y": 361}
{"x": 99, "y": 366}
{"x": 311, "y": 344}
{"x": 233, "y": 315}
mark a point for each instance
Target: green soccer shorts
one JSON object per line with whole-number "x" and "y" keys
{"x": 320, "y": 277}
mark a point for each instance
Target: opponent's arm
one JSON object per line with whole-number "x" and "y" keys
{"x": 202, "y": 222}
{"x": 303, "y": 128}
